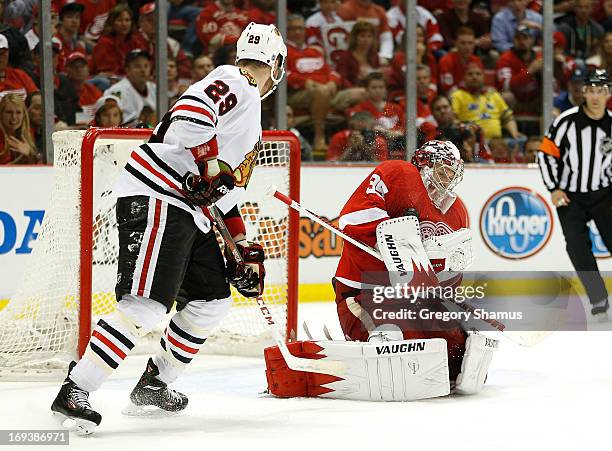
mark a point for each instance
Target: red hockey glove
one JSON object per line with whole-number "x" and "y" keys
{"x": 248, "y": 277}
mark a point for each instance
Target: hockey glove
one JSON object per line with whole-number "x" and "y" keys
{"x": 248, "y": 277}
{"x": 203, "y": 191}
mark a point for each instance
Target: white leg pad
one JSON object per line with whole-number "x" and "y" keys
{"x": 475, "y": 365}
{"x": 184, "y": 338}
{"x": 139, "y": 314}
{"x": 404, "y": 370}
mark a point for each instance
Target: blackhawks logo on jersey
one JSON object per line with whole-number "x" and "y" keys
{"x": 249, "y": 77}
{"x": 242, "y": 174}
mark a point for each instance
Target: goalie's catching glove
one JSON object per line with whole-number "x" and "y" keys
{"x": 248, "y": 277}
{"x": 202, "y": 190}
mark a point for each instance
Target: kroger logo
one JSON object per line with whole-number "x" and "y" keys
{"x": 599, "y": 248}
{"x": 515, "y": 223}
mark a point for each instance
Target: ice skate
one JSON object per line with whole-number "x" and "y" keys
{"x": 600, "y": 311}
{"x": 72, "y": 407}
{"x": 152, "y": 397}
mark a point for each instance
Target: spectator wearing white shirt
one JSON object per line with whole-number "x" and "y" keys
{"x": 315, "y": 23}
{"x": 135, "y": 91}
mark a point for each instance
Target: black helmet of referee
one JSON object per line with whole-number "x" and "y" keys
{"x": 597, "y": 77}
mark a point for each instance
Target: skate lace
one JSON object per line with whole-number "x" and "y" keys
{"x": 81, "y": 397}
{"x": 173, "y": 397}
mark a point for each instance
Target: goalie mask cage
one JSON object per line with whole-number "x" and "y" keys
{"x": 70, "y": 276}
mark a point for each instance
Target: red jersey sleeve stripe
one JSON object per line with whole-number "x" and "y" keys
{"x": 193, "y": 109}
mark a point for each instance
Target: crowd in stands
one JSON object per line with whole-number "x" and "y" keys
{"x": 479, "y": 69}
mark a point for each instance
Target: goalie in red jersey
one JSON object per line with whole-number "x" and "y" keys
{"x": 410, "y": 214}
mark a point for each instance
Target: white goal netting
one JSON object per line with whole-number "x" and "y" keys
{"x": 39, "y": 328}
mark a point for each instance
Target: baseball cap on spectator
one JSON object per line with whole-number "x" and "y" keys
{"x": 147, "y": 8}
{"x": 136, "y": 53}
{"x": 524, "y": 30}
{"x": 3, "y": 42}
{"x": 102, "y": 101}
{"x": 76, "y": 56}
{"x": 578, "y": 74}
{"x": 559, "y": 39}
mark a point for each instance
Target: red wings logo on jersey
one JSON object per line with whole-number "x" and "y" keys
{"x": 429, "y": 229}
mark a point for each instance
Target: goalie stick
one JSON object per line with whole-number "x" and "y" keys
{"x": 522, "y": 338}
{"x": 295, "y": 363}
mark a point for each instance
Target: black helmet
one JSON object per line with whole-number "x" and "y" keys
{"x": 597, "y": 77}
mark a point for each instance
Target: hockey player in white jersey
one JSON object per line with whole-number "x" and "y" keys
{"x": 202, "y": 152}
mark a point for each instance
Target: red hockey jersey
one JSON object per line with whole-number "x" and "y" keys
{"x": 392, "y": 188}
{"x": 513, "y": 74}
{"x": 213, "y": 21}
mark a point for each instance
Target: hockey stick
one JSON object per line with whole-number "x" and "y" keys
{"x": 332, "y": 367}
{"x": 522, "y": 338}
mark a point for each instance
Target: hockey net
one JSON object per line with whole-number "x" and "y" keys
{"x": 70, "y": 277}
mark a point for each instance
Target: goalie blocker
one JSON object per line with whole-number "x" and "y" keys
{"x": 402, "y": 370}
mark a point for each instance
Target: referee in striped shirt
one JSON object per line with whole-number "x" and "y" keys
{"x": 575, "y": 160}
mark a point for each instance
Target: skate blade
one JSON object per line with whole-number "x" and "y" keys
{"x": 79, "y": 426}
{"x": 601, "y": 317}
{"x": 132, "y": 410}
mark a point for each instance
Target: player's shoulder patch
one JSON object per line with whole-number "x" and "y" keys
{"x": 249, "y": 77}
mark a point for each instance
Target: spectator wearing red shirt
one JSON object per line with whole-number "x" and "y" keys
{"x": 425, "y": 123}
{"x": 397, "y": 22}
{"x": 356, "y": 63}
{"x": 119, "y": 39}
{"x": 147, "y": 40}
{"x": 77, "y": 72}
{"x": 312, "y": 83}
{"x": 563, "y": 65}
{"x": 68, "y": 29}
{"x": 13, "y": 81}
{"x": 519, "y": 73}
{"x": 460, "y": 15}
{"x": 397, "y": 79}
{"x": 220, "y": 23}
{"x": 263, "y": 11}
{"x": 389, "y": 116}
{"x": 426, "y": 90}
{"x": 436, "y": 6}
{"x": 16, "y": 141}
{"x": 367, "y": 10}
{"x": 467, "y": 136}
{"x": 452, "y": 65}
{"x": 327, "y": 15}
{"x": 359, "y": 142}
{"x": 94, "y": 18}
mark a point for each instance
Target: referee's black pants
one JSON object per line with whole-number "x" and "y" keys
{"x": 574, "y": 217}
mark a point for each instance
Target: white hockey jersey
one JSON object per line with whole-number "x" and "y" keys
{"x": 131, "y": 101}
{"x": 226, "y": 104}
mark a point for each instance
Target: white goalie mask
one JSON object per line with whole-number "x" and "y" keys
{"x": 263, "y": 43}
{"x": 441, "y": 169}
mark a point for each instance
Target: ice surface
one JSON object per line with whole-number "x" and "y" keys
{"x": 555, "y": 396}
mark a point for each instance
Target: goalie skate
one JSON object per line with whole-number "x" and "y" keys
{"x": 152, "y": 397}
{"x": 72, "y": 408}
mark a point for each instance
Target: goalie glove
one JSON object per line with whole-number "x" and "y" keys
{"x": 248, "y": 276}
{"x": 450, "y": 252}
{"x": 205, "y": 190}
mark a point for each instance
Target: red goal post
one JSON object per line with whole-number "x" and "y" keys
{"x": 60, "y": 291}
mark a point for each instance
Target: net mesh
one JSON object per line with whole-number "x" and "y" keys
{"x": 39, "y": 326}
